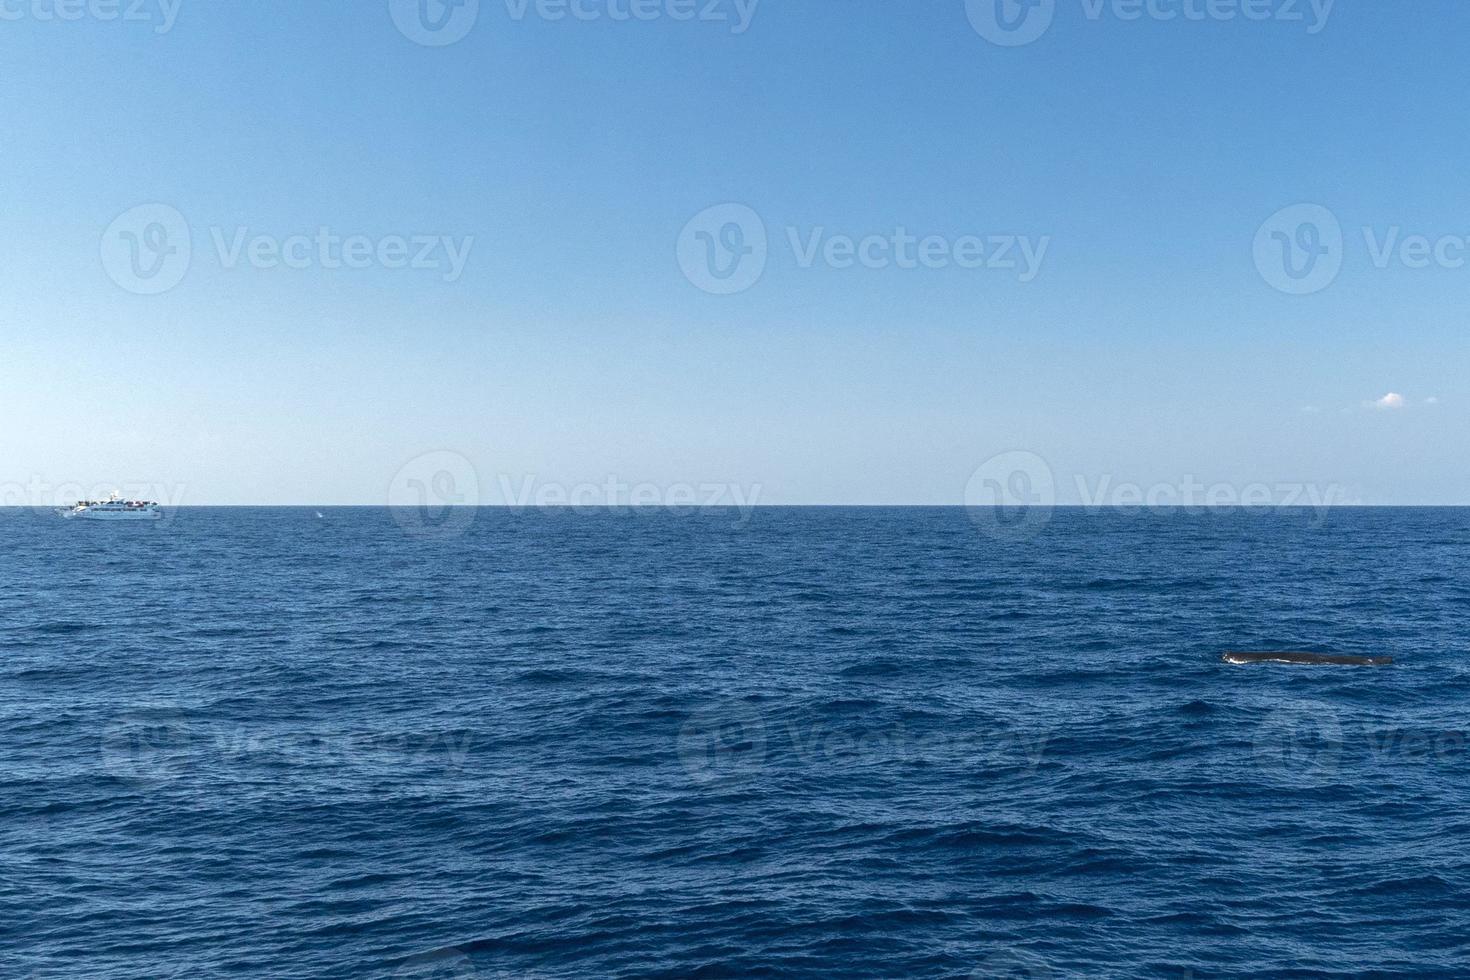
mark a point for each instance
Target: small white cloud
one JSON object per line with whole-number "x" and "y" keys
{"x": 1391, "y": 400}
{"x": 1431, "y": 400}
{"x": 1311, "y": 409}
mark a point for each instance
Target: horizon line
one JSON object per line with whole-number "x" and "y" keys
{"x": 718, "y": 507}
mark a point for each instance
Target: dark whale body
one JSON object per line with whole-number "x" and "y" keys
{"x": 1342, "y": 660}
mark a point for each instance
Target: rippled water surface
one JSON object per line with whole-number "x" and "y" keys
{"x": 879, "y": 742}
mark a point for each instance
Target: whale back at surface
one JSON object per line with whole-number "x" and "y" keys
{"x": 1291, "y": 657}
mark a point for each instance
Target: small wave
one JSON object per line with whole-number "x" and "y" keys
{"x": 545, "y": 675}
{"x": 1419, "y": 885}
{"x": 65, "y": 628}
{"x": 874, "y": 668}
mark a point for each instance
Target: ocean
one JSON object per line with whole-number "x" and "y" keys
{"x": 887, "y": 742}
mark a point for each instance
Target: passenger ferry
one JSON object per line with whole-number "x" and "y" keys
{"x": 114, "y": 508}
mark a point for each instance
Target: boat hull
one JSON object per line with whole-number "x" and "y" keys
{"x": 94, "y": 515}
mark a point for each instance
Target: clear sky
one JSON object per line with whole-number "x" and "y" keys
{"x": 1148, "y": 339}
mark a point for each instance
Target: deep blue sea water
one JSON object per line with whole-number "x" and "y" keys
{"x": 820, "y": 742}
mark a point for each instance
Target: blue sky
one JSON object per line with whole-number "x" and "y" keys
{"x": 567, "y": 156}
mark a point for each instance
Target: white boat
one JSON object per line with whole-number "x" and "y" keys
{"x": 114, "y": 508}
